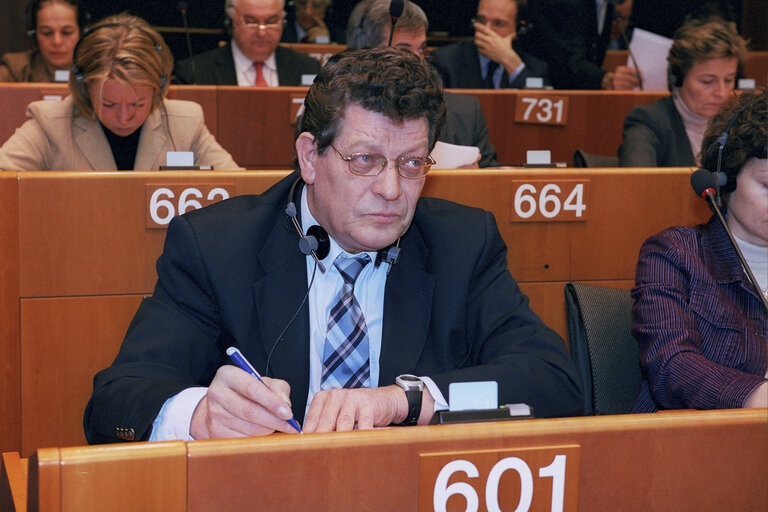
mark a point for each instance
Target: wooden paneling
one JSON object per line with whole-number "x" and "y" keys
{"x": 13, "y": 483}
{"x": 64, "y": 342}
{"x": 10, "y": 363}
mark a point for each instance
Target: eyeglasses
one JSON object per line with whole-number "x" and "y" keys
{"x": 496, "y": 23}
{"x": 367, "y": 164}
{"x": 272, "y": 23}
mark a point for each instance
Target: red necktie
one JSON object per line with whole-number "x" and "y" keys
{"x": 260, "y": 80}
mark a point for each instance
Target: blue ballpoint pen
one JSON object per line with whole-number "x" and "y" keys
{"x": 239, "y": 359}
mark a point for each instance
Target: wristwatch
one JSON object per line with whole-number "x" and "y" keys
{"x": 413, "y": 387}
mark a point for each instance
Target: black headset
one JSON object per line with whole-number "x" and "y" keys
{"x": 79, "y": 73}
{"x": 316, "y": 242}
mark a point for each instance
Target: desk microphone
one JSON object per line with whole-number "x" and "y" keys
{"x": 395, "y": 11}
{"x": 705, "y": 183}
{"x": 182, "y": 6}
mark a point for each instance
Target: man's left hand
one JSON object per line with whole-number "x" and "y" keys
{"x": 364, "y": 408}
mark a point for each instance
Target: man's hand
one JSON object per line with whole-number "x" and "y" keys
{"x": 238, "y": 405}
{"x": 497, "y": 48}
{"x": 625, "y": 78}
{"x": 364, "y": 408}
{"x": 319, "y": 29}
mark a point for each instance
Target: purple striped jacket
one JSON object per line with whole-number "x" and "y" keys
{"x": 702, "y": 331}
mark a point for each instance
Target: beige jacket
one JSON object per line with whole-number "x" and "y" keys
{"x": 53, "y": 139}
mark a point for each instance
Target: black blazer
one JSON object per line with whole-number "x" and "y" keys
{"x": 217, "y": 67}
{"x": 232, "y": 274}
{"x": 564, "y": 34}
{"x": 465, "y": 125}
{"x": 459, "y": 66}
{"x": 654, "y": 136}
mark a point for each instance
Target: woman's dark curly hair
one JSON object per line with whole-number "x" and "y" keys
{"x": 741, "y": 127}
{"x": 396, "y": 83}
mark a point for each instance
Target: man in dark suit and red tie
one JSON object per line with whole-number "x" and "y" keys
{"x": 359, "y": 301}
{"x": 253, "y": 56}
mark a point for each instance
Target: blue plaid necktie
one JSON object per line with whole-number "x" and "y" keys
{"x": 346, "y": 362}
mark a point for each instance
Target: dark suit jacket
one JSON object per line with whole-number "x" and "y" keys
{"x": 290, "y": 34}
{"x": 564, "y": 34}
{"x": 232, "y": 274}
{"x": 465, "y": 125}
{"x": 654, "y": 136}
{"x": 459, "y": 65}
{"x": 217, "y": 67}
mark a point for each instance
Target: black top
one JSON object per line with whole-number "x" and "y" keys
{"x": 124, "y": 149}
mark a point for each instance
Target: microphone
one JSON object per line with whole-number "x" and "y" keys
{"x": 704, "y": 183}
{"x": 182, "y": 6}
{"x": 395, "y": 11}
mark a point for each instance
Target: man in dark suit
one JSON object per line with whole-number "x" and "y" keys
{"x": 492, "y": 60}
{"x": 572, "y": 36}
{"x": 253, "y": 56}
{"x": 369, "y": 27}
{"x": 433, "y": 302}
{"x": 307, "y": 21}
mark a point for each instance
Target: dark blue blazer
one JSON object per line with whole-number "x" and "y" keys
{"x": 459, "y": 66}
{"x": 232, "y": 274}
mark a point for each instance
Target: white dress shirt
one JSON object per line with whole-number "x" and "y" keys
{"x": 246, "y": 71}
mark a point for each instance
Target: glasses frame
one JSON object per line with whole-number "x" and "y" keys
{"x": 428, "y": 163}
{"x": 263, "y": 26}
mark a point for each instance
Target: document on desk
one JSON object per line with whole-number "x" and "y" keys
{"x": 650, "y": 51}
{"x": 452, "y": 156}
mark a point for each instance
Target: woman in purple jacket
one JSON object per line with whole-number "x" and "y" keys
{"x": 702, "y": 328}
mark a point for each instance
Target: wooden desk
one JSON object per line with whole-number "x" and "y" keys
{"x": 755, "y": 64}
{"x": 676, "y": 460}
{"x": 87, "y": 248}
{"x": 257, "y": 125}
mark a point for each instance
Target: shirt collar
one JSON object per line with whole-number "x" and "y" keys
{"x": 307, "y": 221}
{"x": 244, "y": 63}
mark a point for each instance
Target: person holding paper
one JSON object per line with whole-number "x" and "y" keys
{"x": 116, "y": 116}
{"x": 704, "y": 62}
{"x": 700, "y": 324}
{"x": 56, "y": 26}
{"x": 253, "y": 56}
{"x": 369, "y": 27}
{"x": 366, "y": 324}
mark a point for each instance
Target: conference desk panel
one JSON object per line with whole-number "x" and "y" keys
{"x": 87, "y": 249}
{"x": 257, "y": 125}
{"x": 673, "y": 460}
{"x": 10, "y": 391}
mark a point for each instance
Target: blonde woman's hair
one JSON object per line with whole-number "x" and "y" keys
{"x": 123, "y": 48}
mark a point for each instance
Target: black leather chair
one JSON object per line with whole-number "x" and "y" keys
{"x": 602, "y": 347}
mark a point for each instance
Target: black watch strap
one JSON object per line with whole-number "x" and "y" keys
{"x": 413, "y": 387}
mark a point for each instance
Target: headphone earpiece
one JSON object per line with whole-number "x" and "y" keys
{"x": 674, "y": 79}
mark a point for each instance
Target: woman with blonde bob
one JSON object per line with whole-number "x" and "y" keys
{"x": 704, "y": 61}
{"x": 116, "y": 116}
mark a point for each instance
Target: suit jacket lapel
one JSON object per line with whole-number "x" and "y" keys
{"x": 278, "y": 295}
{"x": 224, "y": 68}
{"x": 152, "y": 141}
{"x": 407, "y": 310}
{"x": 93, "y": 144}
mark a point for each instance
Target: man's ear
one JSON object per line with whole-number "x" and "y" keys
{"x": 306, "y": 151}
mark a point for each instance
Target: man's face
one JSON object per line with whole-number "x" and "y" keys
{"x": 364, "y": 213}
{"x": 257, "y": 26}
{"x": 413, "y": 40}
{"x": 308, "y": 12}
{"x": 499, "y": 15}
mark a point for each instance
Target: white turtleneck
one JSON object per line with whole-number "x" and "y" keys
{"x": 695, "y": 125}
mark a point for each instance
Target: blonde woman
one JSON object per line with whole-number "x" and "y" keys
{"x": 116, "y": 116}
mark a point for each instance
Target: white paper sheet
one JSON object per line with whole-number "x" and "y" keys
{"x": 452, "y": 156}
{"x": 651, "y": 51}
